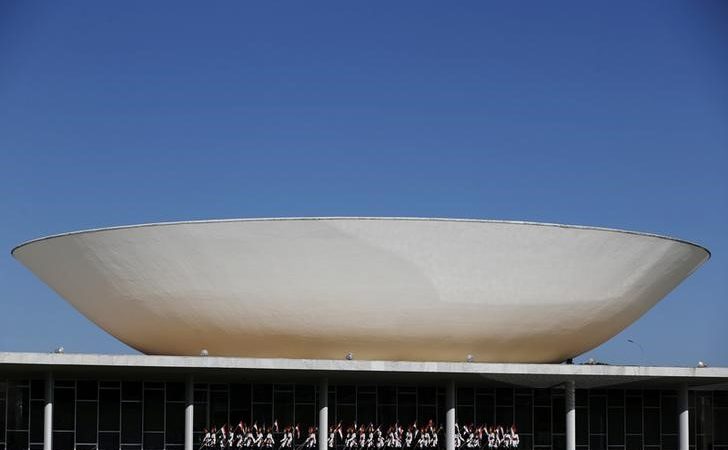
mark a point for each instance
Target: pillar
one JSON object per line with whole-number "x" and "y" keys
{"x": 570, "y": 399}
{"x": 682, "y": 407}
{"x": 450, "y": 416}
{"x": 48, "y": 413}
{"x": 323, "y": 414}
{"x": 189, "y": 412}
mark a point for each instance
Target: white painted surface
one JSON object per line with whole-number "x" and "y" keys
{"x": 562, "y": 372}
{"x": 388, "y": 289}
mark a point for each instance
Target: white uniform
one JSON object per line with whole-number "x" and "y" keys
{"x": 310, "y": 441}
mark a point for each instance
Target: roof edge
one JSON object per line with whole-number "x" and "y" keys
{"x": 303, "y": 218}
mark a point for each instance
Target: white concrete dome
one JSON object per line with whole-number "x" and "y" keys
{"x": 380, "y": 288}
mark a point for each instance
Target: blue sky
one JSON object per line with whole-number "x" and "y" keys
{"x": 610, "y": 115}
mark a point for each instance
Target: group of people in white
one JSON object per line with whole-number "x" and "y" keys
{"x": 358, "y": 437}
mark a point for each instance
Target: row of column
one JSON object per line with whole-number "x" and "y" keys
{"x": 323, "y": 415}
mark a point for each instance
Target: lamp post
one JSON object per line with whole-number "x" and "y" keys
{"x": 642, "y": 350}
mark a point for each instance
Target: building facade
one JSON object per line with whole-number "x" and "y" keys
{"x": 106, "y": 404}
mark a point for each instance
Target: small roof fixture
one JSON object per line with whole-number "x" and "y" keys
{"x": 204, "y": 352}
{"x": 349, "y": 356}
{"x": 59, "y": 350}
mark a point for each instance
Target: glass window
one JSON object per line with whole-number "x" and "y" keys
{"x": 154, "y": 410}
{"x": 634, "y": 442}
{"x": 542, "y": 425}
{"x": 615, "y": 397}
{"x": 408, "y": 413}
{"x": 504, "y": 415}
{"x": 704, "y": 413}
{"x": 332, "y": 407}
{"x": 199, "y": 419}
{"x": 63, "y": 409}
{"x": 615, "y": 426}
{"x": 524, "y": 414}
{"x": 463, "y": 414}
{"x": 720, "y": 416}
{"x": 633, "y": 415}
{"x": 131, "y": 423}
{"x": 87, "y": 390}
{"x": 175, "y": 392}
{"x": 704, "y": 442}
{"x": 597, "y": 442}
{"x": 504, "y": 397}
{"x": 345, "y": 394}
{"x": 36, "y": 421}
{"x": 670, "y": 442}
{"x": 582, "y": 397}
{"x": 720, "y": 399}
{"x": 306, "y": 415}
{"x": 262, "y": 413}
{"x": 407, "y": 406}
{"x": 62, "y": 440}
{"x": 109, "y": 409}
{"x": 426, "y": 395}
{"x": 218, "y": 408}
{"x": 153, "y": 441}
{"x": 263, "y": 393}
{"x": 131, "y": 390}
{"x": 108, "y": 441}
{"x": 200, "y": 396}
{"x": 346, "y": 414}
{"x": 485, "y": 409}
{"x": 651, "y": 399}
{"x": 175, "y": 423}
{"x": 240, "y": 398}
{"x": 669, "y": 414}
{"x": 597, "y": 415}
{"x": 304, "y": 393}
{"x": 465, "y": 396}
{"x": 387, "y": 414}
{"x": 2, "y": 409}
{"x": 283, "y": 407}
{"x": 387, "y": 395}
{"x": 582, "y": 426}
{"x": 17, "y": 440}
{"x": 37, "y": 389}
{"x": 542, "y": 397}
{"x": 18, "y": 408}
{"x": 85, "y": 421}
{"x": 558, "y": 411}
{"x": 367, "y": 407}
{"x": 424, "y": 414}
{"x": 652, "y": 426}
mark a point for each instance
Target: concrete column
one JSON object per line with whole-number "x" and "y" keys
{"x": 323, "y": 414}
{"x": 189, "y": 412}
{"x": 450, "y": 416}
{"x": 570, "y": 399}
{"x": 48, "y": 413}
{"x": 682, "y": 407}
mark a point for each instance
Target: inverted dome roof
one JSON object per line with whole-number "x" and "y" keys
{"x": 381, "y": 288}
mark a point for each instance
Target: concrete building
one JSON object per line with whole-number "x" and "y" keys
{"x": 318, "y": 321}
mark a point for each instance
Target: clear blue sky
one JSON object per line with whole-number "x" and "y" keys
{"x": 612, "y": 114}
